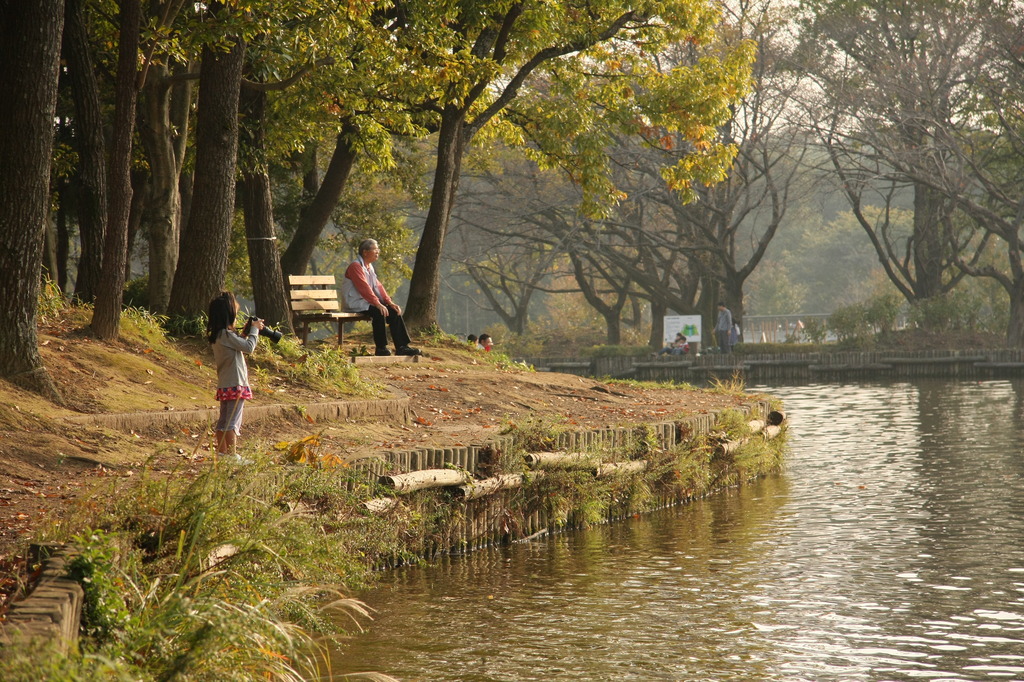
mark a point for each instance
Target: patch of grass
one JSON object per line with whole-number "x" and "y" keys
{"x": 733, "y": 386}
{"x": 681, "y": 385}
{"x": 223, "y": 575}
{"x": 52, "y": 303}
{"x": 537, "y": 434}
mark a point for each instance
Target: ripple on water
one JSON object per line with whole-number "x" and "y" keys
{"x": 889, "y": 550}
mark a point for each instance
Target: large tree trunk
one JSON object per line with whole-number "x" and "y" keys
{"x": 163, "y": 129}
{"x": 268, "y": 289}
{"x": 269, "y": 293}
{"x": 206, "y": 237}
{"x": 425, "y": 285}
{"x": 91, "y": 188}
{"x": 658, "y": 312}
{"x": 930, "y": 249}
{"x": 296, "y": 257}
{"x": 107, "y": 312}
{"x": 30, "y": 36}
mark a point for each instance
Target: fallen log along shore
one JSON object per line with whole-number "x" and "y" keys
{"x": 766, "y": 429}
{"x": 463, "y": 486}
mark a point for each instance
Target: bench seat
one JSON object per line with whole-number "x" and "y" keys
{"x": 314, "y": 298}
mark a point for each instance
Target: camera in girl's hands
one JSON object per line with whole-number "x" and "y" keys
{"x": 271, "y": 334}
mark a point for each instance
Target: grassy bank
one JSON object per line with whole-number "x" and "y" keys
{"x": 239, "y": 572}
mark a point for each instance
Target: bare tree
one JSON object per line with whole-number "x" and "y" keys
{"x": 980, "y": 168}
{"x": 886, "y": 73}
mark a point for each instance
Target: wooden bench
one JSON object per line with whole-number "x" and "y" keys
{"x": 314, "y": 298}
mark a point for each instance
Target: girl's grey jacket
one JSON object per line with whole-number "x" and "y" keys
{"x": 228, "y": 356}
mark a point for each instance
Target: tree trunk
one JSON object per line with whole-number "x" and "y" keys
{"x": 613, "y": 323}
{"x": 89, "y": 143}
{"x": 268, "y": 290}
{"x": 30, "y": 37}
{"x": 140, "y": 191}
{"x": 271, "y": 299}
{"x": 612, "y": 314}
{"x": 161, "y": 137}
{"x": 929, "y": 245}
{"x": 63, "y": 243}
{"x": 425, "y": 285}
{"x": 1015, "y": 325}
{"x": 296, "y": 257}
{"x": 734, "y": 299}
{"x": 206, "y": 237}
{"x": 107, "y": 311}
{"x": 658, "y": 312}
{"x": 50, "y": 245}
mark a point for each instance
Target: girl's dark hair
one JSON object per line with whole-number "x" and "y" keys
{"x": 221, "y": 315}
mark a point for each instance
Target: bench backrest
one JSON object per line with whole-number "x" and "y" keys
{"x": 311, "y": 294}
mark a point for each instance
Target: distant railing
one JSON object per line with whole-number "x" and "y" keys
{"x": 790, "y": 328}
{"x": 795, "y": 366}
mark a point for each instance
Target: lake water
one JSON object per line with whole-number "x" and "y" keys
{"x": 891, "y": 548}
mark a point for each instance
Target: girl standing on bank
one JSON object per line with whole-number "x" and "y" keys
{"x": 229, "y": 348}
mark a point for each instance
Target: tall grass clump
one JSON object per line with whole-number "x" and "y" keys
{"x": 231, "y": 574}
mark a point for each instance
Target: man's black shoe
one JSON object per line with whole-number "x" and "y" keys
{"x": 382, "y": 351}
{"x": 408, "y": 350}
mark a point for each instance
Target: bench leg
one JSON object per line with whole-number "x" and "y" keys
{"x": 341, "y": 333}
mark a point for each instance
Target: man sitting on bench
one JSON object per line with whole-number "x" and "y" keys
{"x": 362, "y": 292}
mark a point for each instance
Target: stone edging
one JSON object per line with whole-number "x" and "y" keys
{"x": 52, "y": 612}
{"x": 396, "y": 408}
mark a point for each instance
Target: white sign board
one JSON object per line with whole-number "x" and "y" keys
{"x": 688, "y": 325}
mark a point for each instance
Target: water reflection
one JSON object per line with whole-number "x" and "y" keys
{"x": 892, "y": 548}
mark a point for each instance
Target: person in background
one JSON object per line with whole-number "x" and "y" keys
{"x": 363, "y": 293}
{"x": 484, "y": 342}
{"x": 229, "y": 348}
{"x": 734, "y": 334}
{"x": 723, "y": 328}
{"x": 471, "y": 340}
{"x": 677, "y": 347}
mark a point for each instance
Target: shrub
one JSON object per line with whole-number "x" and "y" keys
{"x": 816, "y": 331}
{"x": 881, "y": 311}
{"x": 136, "y": 292}
{"x": 954, "y": 311}
{"x": 849, "y": 322}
